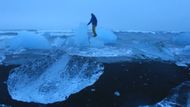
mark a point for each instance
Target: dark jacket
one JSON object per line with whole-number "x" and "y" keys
{"x": 93, "y": 20}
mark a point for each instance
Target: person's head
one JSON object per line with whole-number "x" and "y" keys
{"x": 92, "y": 14}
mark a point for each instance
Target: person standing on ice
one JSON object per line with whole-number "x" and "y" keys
{"x": 93, "y": 20}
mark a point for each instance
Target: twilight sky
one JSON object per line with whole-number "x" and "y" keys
{"x": 141, "y": 15}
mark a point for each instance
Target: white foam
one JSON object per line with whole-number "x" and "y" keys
{"x": 182, "y": 39}
{"x": 3, "y": 105}
{"x": 2, "y": 58}
{"x": 164, "y": 46}
{"x": 80, "y": 39}
{"x": 105, "y": 35}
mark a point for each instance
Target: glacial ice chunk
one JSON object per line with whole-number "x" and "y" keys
{"x": 80, "y": 38}
{"x": 116, "y": 93}
{"x": 28, "y": 40}
{"x": 106, "y": 35}
{"x": 179, "y": 97}
{"x": 83, "y": 38}
{"x": 52, "y": 78}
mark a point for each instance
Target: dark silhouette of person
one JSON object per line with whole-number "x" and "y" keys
{"x": 94, "y": 22}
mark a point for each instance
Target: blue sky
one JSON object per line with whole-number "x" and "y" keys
{"x": 142, "y": 15}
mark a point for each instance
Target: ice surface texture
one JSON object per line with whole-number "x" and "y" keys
{"x": 179, "y": 97}
{"x": 52, "y": 78}
{"x": 164, "y": 46}
{"x": 27, "y": 40}
{"x": 83, "y": 38}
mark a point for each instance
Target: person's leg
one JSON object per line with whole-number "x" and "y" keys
{"x": 94, "y": 30}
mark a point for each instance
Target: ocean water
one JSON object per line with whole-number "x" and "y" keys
{"x": 73, "y": 69}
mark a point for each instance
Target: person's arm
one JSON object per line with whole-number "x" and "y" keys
{"x": 90, "y": 21}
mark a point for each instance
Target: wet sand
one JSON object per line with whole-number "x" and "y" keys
{"x": 125, "y": 84}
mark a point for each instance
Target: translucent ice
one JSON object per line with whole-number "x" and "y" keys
{"x": 52, "y": 78}
{"x": 179, "y": 97}
{"x": 28, "y": 40}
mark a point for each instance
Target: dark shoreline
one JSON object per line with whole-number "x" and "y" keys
{"x": 138, "y": 83}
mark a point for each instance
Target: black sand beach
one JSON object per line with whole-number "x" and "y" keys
{"x": 125, "y": 84}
